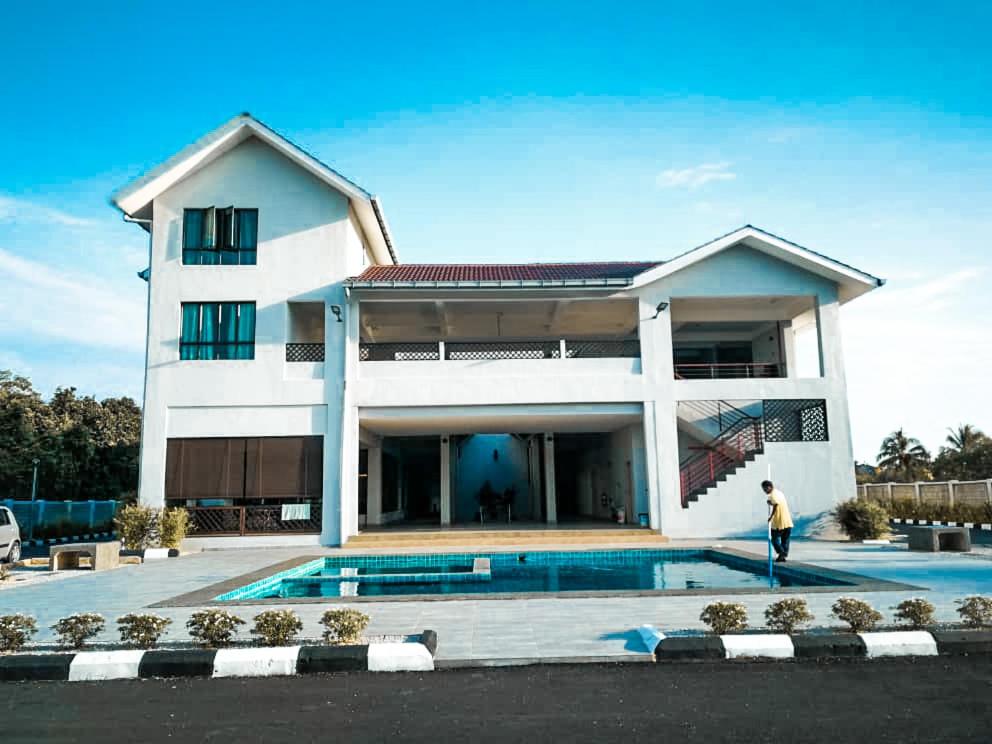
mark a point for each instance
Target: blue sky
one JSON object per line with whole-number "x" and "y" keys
{"x": 527, "y": 132}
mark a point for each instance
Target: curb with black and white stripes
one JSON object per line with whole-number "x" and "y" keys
{"x": 937, "y": 523}
{"x": 39, "y": 543}
{"x": 816, "y": 646}
{"x": 278, "y": 661}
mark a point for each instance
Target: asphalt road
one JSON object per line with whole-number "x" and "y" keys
{"x": 904, "y": 700}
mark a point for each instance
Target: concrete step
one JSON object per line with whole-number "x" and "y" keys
{"x": 475, "y": 538}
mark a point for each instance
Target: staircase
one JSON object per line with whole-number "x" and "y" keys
{"x": 739, "y": 442}
{"x": 464, "y": 538}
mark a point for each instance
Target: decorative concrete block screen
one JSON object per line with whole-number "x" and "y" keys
{"x": 795, "y": 420}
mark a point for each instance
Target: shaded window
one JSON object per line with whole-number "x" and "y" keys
{"x": 217, "y": 330}
{"x": 220, "y": 236}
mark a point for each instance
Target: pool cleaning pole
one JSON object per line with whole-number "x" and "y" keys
{"x": 770, "y": 579}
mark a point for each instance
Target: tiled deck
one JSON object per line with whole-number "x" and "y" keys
{"x": 506, "y": 630}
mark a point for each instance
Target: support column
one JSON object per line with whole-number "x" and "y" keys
{"x": 534, "y": 476}
{"x": 373, "y": 508}
{"x": 550, "y": 503}
{"x": 445, "y": 481}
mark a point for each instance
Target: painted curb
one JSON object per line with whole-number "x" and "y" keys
{"x": 767, "y": 646}
{"x": 226, "y": 662}
{"x": 839, "y": 645}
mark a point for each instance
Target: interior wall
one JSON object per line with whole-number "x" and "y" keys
{"x": 476, "y": 464}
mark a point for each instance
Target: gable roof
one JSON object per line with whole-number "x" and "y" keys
{"x": 138, "y": 194}
{"x": 851, "y": 282}
{"x": 416, "y": 276}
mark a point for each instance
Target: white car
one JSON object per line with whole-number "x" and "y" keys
{"x": 10, "y": 536}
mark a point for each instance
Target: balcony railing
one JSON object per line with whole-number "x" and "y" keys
{"x": 762, "y": 370}
{"x": 296, "y": 352}
{"x": 492, "y": 350}
{"x": 249, "y": 520}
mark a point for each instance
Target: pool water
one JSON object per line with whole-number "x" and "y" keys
{"x": 516, "y": 573}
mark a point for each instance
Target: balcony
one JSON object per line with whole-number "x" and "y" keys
{"x": 729, "y": 370}
{"x": 492, "y": 350}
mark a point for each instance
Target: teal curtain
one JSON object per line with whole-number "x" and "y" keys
{"x": 209, "y": 255}
{"x": 228, "y": 337}
{"x": 246, "y": 330}
{"x": 208, "y": 330}
{"x": 190, "y": 332}
{"x": 246, "y": 234}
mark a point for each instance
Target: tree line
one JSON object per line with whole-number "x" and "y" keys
{"x": 85, "y": 448}
{"x": 965, "y": 455}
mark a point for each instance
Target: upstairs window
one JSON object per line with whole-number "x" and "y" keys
{"x": 220, "y": 236}
{"x": 217, "y": 330}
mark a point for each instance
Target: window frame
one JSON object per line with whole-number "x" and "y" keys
{"x": 211, "y": 243}
{"x": 235, "y": 346}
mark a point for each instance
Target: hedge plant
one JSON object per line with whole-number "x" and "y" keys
{"x": 213, "y": 628}
{"x": 862, "y": 520}
{"x": 976, "y": 611}
{"x": 142, "y": 629}
{"x": 344, "y": 626}
{"x": 917, "y": 613}
{"x": 860, "y": 616}
{"x": 173, "y": 526}
{"x": 73, "y": 631}
{"x": 725, "y": 617}
{"x": 788, "y": 614}
{"x": 277, "y": 627}
{"x": 15, "y": 631}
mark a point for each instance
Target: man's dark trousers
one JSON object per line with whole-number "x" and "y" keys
{"x": 780, "y": 541}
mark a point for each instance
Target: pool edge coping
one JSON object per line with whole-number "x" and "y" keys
{"x": 850, "y": 582}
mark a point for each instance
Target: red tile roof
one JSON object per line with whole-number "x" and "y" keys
{"x": 547, "y": 272}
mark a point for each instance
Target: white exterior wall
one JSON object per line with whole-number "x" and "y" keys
{"x": 307, "y": 244}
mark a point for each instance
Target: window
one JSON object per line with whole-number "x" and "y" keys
{"x": 220, "y": 236}
{"x": 217, "y": 330}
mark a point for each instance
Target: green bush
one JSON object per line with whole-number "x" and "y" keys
{"x": 173, "y": 525}
{"x": 142, "y": 630}
{"x": 909, "y": 509}
{"x": 213, "y": 628}
{"x": 75, "y": 630}
{"x": 137, "y": 526}
{"x": 788, "y": 614}
{"x": 4, "y": 571}
{"x": 860, "y": 616}
{"x": 15, "y": 631}
{"x": 277, "y": 627}
{"x": 862, "y": 520}
{"x": 975, "y": 611}
{"x": 344, "y": 626}
{"x": 917, "y": 613}
{"x": 724, "y": 617}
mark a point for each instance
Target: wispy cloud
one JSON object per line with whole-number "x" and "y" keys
{"x": 696, "y": 176}
{"x": 38, "y": 300}
{"x": 13, "y": 209}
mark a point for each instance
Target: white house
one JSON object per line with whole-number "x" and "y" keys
{"x": 300, "y": 381}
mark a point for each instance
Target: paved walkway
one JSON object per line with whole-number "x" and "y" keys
{"x": 503, "y": 630}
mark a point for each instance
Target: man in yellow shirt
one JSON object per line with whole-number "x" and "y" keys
{"x": 780, "y": 520}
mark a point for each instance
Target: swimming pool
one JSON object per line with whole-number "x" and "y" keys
{"x": 538, "y": 572}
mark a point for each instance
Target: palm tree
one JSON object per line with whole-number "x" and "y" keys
{"x": 964, "y": 438}
{"x": 903, "y": 456}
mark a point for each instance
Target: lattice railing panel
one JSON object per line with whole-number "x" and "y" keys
{"x": 601, "y": 349}
{"x": 299, "y": 352}
{"x": 489, "y": 350}
{"x": 268, "y": 520}
{"x": 796, "y": 421}
{"x": 215, "y": 520}
{"x": 399, "y": 352}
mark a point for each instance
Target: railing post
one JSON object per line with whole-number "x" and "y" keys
{"x": 950, "y": 493}
{"x": 562, "y": 350}
{"x": 709, "y": 457}
{"x": 440, "y": 350}
{"x": 917, "y": 498}
{"x": 241, "y": 520}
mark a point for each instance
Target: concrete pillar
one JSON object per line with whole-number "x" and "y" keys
{"x": 788, "y": 348}
{"x": 550, "y": 503}
{"x": 445, "y": 480}
{"x": 534, "y": 476}
{"x": 373, "y": 486}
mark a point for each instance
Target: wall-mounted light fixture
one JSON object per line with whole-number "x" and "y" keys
{"x": 662, "y": 306}
{"x": 336, "y": 310}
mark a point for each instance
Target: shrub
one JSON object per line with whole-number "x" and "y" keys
{"x": 917, "y": 613}
{"x": 787, "y": 614}
{"x": 724, "y": 617}
{"x": 137, "y": 526}
{"x": 277, "y": 627}
{"x": 862, "y": 520}
{"x": 142, "y": 630}
{"x": 344, "y": 626}
{"x": 4, "y": 572}
{"x": 15, "y": 631}
{"x": 75, "y": 630}
{"x": 213, "y": 627}
{"x": 975, "y": 611}
{"x": 173, "y": 525}
{"x": 860, "y": 616}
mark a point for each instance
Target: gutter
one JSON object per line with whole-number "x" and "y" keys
{"x": 492, "y": 284}
{"x": 386, "y": 235}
